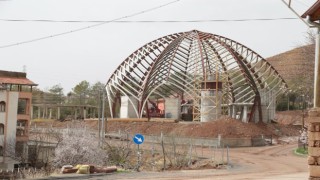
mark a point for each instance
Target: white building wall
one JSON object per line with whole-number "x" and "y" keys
{"x": 12, "y": 114}
{"x": 268, "y": 106}
{"x": 172, "y": 108}
{"x": 11, "y": 100}
{"x": 127, "y": 109}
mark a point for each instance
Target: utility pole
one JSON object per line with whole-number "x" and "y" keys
{"x": 99, "y": 115}
{"x": 317, "y": 70}
{"x": 102, "y": 114}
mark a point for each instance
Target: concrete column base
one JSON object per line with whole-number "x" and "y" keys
{"x": 314, "y": 143}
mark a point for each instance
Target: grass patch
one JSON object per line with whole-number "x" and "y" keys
{"x": 301, "y": 151}
{"x": 42, "y": 120}
{"x": 122, "y": 171}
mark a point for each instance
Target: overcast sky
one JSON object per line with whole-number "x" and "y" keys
{"x": 94, "y": 53}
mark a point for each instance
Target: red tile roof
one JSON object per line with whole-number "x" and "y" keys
{"x": 313, "y": 12}
{"x": 18, "y": 78}
{"x": 14, "y": 80}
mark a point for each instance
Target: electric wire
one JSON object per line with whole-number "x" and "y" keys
{"x": 88, "y": 27}
{"x": 146, "y": 21}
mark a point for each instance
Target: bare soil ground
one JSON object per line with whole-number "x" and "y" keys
{"x": 228, "y": 128}
{"x": 269, "y": 162}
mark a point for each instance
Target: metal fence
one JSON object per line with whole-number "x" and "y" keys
{"x": 261, "y": 140}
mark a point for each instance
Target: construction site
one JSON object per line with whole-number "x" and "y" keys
{"x": 137, "y": 100}
{"x": 196, "y": 93}
{"x": 194, "y": 76}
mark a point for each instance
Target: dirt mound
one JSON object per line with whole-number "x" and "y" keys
{"x": 290, "y": 117}
{"x": 227, "y": 127}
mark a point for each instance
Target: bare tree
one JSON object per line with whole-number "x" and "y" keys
{"x": 78, "y": 147}
{"x": 15, "y": 151}
{"x": 38, "y": 151}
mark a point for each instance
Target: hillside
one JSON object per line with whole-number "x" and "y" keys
{"x": 295, "y": 66}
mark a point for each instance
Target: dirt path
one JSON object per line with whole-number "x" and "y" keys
{"x": 271, "y": 162}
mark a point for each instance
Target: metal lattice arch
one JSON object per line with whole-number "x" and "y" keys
{"x": 215, "y": 75}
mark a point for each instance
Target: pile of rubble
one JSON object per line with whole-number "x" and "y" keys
{"x": 86, "y": 169}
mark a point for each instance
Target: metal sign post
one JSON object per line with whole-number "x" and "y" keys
{"x": 138, "y": 139}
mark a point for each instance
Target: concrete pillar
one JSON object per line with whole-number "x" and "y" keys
{"x": 31, "y": 112}
{"x": 50, "y": 113}
{"x": 43, "y": 112}
{"x": 245, "y": 114}
{"x": 46, "y": 112}
{"x": 314, "y": 143}
{"x": 234, "y": 111}
{"x": 268, "y": 106}
{"x": 39, "y": 112}
{"x": 84, "y": 113}
{"x": 172, "y": 108}
{"x": 75, "y": 113}
{"x": 58, "y": 113}
{"x": 127, "y": 108}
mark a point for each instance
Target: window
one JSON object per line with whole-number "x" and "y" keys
{"x": 22, "y": 106}
{"x": 2, "y": 106}
{"x": 1, "y": 129}
{"x": 21, "y": 127}
{"x": 1, "y": 151}
{"x": 21, "y": 123}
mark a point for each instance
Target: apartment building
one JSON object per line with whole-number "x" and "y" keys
{"x": 15, "y": 115}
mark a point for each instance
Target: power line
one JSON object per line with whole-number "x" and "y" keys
{"x": 91, "y": 26}
{"x": 145, "y": 21}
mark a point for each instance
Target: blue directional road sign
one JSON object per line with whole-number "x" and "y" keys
{"x": 138, "y": 139}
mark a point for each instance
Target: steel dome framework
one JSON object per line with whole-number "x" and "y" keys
{"x": 179, "y": 65}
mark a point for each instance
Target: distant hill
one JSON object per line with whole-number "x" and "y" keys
{"x": 296, "y": 66}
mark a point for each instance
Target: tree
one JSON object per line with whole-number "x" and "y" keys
{"x": 38, "y": 151}
{"x": 79, "y": 92}
{"x": 57, "y": 92}
{"x": 93, "y": 93}
{"x": 14, "y": 150}
{"x": 77, "y": 147}
{"x": 81, "y": 87}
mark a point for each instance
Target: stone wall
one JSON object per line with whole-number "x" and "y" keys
{"x": 314, "y": 144}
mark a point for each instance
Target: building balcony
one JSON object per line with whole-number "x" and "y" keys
{"x": 22, "y": 138}
{"x": 23, "y": 116}
{"x": 22, "y": 132}
{"x": 25, "y": 95}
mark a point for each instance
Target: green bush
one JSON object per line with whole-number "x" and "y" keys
{"x": 302, "y": 150}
